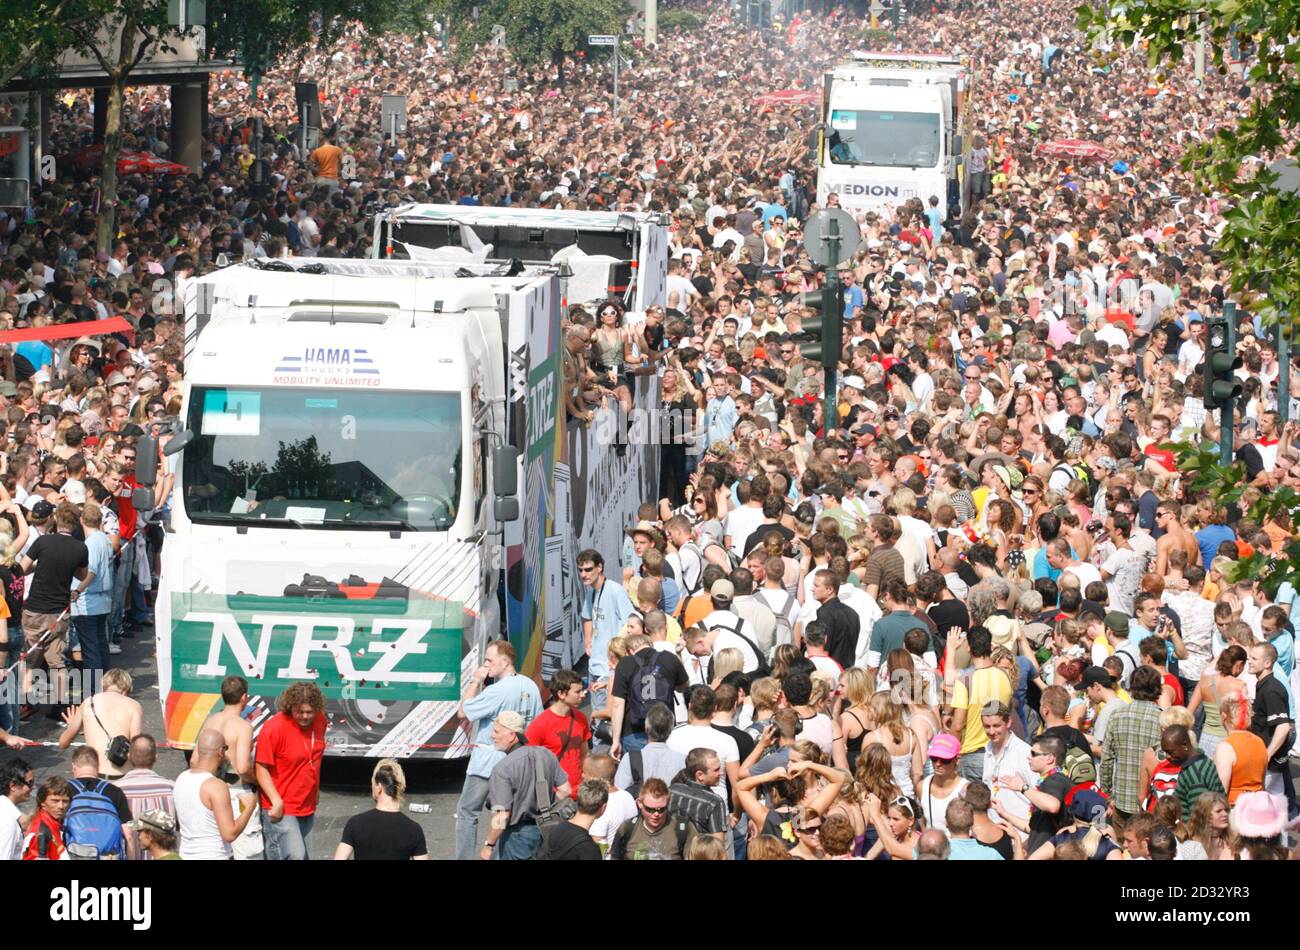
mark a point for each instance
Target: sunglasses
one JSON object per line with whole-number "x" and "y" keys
{"x": 586, "y": 570}
{"x": 653, "y": 811}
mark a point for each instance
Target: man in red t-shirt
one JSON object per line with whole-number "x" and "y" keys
{"x": 561, "y": 728}
{"x": 290, "y": 749}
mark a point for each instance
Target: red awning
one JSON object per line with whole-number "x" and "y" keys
{"x": 67, "y": 331}
{"x": 129, "y": 162}
{"x": 1076, "y": 148}
{"x": 788, "y": 98}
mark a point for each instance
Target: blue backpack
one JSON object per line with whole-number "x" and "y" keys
{"x": 93, "y": 820}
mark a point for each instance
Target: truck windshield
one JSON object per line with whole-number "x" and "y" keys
{"x": 323, "y": 458}
{"x": 891, "y": 139}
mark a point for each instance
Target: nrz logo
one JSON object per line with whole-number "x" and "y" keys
{"x": 333, "y": 365}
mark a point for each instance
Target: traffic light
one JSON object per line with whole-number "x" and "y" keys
{"x": 825, "y": 327}
{"x": 1221, "y": 364}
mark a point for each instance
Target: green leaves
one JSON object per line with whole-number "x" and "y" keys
{"x": 537, "y": 32}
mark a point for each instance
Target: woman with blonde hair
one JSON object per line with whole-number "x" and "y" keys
{"x": 1209, "y": 825}
{"x": 725, "y": 662}
{"x": 1154, "y": 755}
{"x": 855, "y": 721}
{"x": 907, "y": 762}
{"x": 783, "y": 657}
{"x": 705, "y": 848}
{"x": 766, "y": 848}
{"x": 383, "y": 833}
{"x": 913, "y": 693}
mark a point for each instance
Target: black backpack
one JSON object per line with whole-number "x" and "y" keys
{"x": 762, "y": 670}
{"x": 649, "y": 685}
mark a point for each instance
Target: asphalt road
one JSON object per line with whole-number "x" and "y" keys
{"x": 345, "y": 787}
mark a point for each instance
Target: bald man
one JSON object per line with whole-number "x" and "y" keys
{"x": 933, "y": 846}
{"x": 203, "y": 805}
{"x": 238, "y": 760}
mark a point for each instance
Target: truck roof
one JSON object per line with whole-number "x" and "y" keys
{"x": 526, "y": 217}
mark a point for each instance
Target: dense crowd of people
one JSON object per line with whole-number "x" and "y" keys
{"x": 978, "y": 615}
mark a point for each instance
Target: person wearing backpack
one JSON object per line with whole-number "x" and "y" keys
{"x": 783, "y": 604}
{"x": 99, "y": 815}
{"x": 642, "y": 678}
{"x": 657, "y": 759}
{"x": 654, "y": 835}
{"x": 517, "y": 787}
{"x": 724, "y": 628}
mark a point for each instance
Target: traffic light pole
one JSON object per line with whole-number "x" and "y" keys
{"x": 832, "y": 329}
{"x": 1227, "y": 411}
{"x": 1283, "y": 371}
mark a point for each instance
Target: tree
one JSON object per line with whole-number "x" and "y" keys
{"x": 537, "y": 32}
{"x": 1261, "y": 241}
{"x": 35, "y": 34}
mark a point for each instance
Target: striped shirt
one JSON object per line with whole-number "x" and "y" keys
{"x": 1130, "y": 732}
{"x": 1198, "y": 777}
{"x": 146, "y": 790}
{"x": 699, "y": 805}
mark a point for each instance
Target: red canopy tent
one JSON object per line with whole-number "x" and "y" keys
{"x": 788, "y": 97}
{"x": 129, "y": 162}
{"x": 1077, "y": 149}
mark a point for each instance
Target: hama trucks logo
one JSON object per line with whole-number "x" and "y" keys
{"x": 327, "y": 366}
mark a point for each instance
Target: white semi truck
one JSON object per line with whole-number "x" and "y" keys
{"x": 609, "y": 254}
{"x": 895, "y": 126}
{"x": 377, "y": 479}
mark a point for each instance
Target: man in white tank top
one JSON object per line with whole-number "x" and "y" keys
{"x": 207, "y": 822}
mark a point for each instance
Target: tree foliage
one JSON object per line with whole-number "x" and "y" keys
{"x": 1261, "y": 242}
{"x": 537, "y": 32}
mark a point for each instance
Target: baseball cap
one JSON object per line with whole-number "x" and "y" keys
{"x": 41, "y": 509}
{"x": 156, "y": 819}
{"x": 722, "y": 590}
{"x": 1098, "y": 676}
{"x": 1087, "y": 805}
{"x": 75, "y": 492}
{"x": 509, "y": 719}
{"x": 116, "y": 379}
{"x": 855, "y": 382}
{"x": 1117, "y": 621}
{"x": 944, "y": 746}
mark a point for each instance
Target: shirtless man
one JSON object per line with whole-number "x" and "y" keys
{"x": 106, "y": 714}
{"x": 1175, "y": 537}
{"x": 238, "y": 735}
{"x": 236, "y": 730}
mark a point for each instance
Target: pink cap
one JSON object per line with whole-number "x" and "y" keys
{"x": 945, "y": 746}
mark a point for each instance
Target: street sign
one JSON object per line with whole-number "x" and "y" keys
{"x": 393, "y": 110}
{"x": 817, "y": 232}
{"x": 601, "y": 39}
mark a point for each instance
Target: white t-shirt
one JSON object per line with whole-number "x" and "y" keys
{"x": 688, "y": 737}
{"x": 1086, "y": 573}
{"x": 620, "y": 808}
{"x": 739, "y": 524}
{"x": 11, "y": 833}
{"x": 726, "y": 638}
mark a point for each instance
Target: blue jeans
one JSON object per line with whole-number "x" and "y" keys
{"x": 92, "y": 633}
{"x": 518, "y": 842}
{"x": 634, "y": 742}
{"x": 472, "y": 798}
{"x": 122, "y": 575}
{"x": 286, "y": 839}
{"x": 971, "y": 765}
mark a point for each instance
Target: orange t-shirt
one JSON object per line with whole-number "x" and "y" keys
{"x": 328, "y": 159}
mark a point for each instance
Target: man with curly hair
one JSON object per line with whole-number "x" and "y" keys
{"x": 290, "y": 749}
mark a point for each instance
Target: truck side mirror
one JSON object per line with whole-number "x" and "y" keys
{"x": 505, "y": 509}
{"x": 142, "y": 499}
{"x": 177, "y": 443}
{"x": 957, "y": 144}
{"x": 146, "y": 463}
{"x": 505, "y": 472}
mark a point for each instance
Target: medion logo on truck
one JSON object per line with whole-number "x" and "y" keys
{"x": 328, "y": 366}
{"x": 877, "y": 191}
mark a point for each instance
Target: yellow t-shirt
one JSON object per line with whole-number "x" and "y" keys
{"x": 986, "y": 685}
